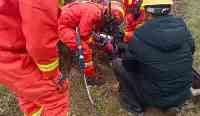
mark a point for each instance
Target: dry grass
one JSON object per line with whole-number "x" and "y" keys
{"x": 193, "y": 20}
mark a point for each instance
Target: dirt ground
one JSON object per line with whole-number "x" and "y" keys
{"x": 105, "y": 97}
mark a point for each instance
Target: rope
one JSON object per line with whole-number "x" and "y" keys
{"x": 88, "y": 90}
{"x": 82, "y": 66}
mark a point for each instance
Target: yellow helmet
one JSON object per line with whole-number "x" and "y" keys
{"x": 156, "y": 2}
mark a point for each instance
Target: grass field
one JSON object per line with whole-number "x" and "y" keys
{"x": 193, "y": 20}
{"x": 106, "y": 96}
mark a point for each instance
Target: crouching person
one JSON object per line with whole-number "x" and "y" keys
{"x": 89, "y": 17}
{"x": 157, "y": 68}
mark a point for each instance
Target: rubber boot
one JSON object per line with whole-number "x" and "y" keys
{"x": 98, "y": 81}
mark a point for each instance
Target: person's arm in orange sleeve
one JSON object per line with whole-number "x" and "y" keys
{"x": 86, "y": 26}
{"x": 131, "y": 25}
{"x": 66, "y": 34}
{"x": 39, "y": 22}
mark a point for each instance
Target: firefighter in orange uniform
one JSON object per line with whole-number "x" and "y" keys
{"x": 88, "y": 17}
{"x": 28, "y": 57}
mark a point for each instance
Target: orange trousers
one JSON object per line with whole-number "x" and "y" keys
{"x": 22, "y": 77}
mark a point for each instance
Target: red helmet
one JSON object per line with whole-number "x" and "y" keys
{"x": 113, "y": 10}
{"x": 131, "y": 4}
{"x": 113, "y": 16}
{"x": 117, "y": 11}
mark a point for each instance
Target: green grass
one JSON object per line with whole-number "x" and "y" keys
{"x": 192, "y": 11}
{"x": 8, "y": 104}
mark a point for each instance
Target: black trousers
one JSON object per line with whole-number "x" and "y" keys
{"x": 131, "y": 97}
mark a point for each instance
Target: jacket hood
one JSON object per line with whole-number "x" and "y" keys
{"x": 166, "y": 33}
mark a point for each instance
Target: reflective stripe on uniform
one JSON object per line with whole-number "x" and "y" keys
{"x": 38, "y": 113}
{"x": 48, "y": 67}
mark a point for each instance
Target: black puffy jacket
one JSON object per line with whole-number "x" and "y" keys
{"x": 160, "y": 56}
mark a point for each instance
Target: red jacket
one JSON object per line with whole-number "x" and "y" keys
{"x": 88, "y": 17}
{"x": 21, "y": 32}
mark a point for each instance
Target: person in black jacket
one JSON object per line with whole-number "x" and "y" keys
{"x": 156, "y": 70}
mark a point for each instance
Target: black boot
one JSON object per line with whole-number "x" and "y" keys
{"x": 93, "y": 82}
{"x": 131, "y": 106}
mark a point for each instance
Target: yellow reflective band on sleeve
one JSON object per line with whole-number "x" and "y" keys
{"x": 38, "y": 113}
{"x": 49, "y": 67}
